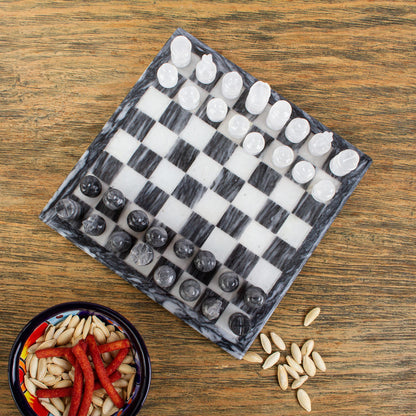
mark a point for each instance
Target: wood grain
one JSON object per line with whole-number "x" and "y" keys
{"x": 64, "y": 68}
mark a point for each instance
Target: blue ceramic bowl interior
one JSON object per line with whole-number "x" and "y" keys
{"x": 28, "y": 404}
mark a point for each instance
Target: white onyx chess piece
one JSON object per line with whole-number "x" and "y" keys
{"x": 323, "y": 191}
{"x": 217, "y": 110}
{"x": 344, "y": 162}
{"x": 206, "y": 70}
{"x": 231, "y": 85}
{"x": 258, "y": 97}
{"x": 279, "y": 114}
{"x": 303, "y": 172}
{"x": 282, "y": 156}
{"x": 238, "y": 126}
{"x": 297, "y": 130}
{"x": 254, "y": 143}
{"x": 189, "y": 97}
{"x": 180, "y": 51}
{"x": 167, "y": 75}
{"x": 320, "y": 143}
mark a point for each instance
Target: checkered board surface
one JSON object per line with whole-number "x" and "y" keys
{"x": 197, "y": 182}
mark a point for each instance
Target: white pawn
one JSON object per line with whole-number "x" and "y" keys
{"x": 282, "y": 156}
{"x": 167, "y": 75}
{"x": 320, "y": 143}
{"x": 206, "y": 70}
{"x": 303, "y": 172}
{"x": 297, "y": 130}
{"x": 231, "y": 85}
{"x": 344, "y": 162}
{"x": 238, "y": 126}
{"x": 278, "y": 115}
{"x": 180, "y": 51}
{"x": 323, "y": 191}
{"x": 217, "y": 110}
{"x": 258, "y": 97}
{"x": 189, "y": 97}
{"x": 253, "y": 143}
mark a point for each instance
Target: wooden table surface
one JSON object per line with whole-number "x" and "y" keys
{"x": 66, "y": 65}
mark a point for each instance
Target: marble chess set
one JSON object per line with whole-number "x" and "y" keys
{"x": 208, "y": 191}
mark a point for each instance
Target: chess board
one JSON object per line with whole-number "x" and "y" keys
{"x": 197, "y": 182}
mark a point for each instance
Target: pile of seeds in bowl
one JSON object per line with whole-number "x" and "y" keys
{"x": 301, "y": 363}
{"x": 81, "y": 367}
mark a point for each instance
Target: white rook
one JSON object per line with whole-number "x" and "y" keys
{"x": 279, "y": 114}
{"x": 344, "y": 162}
{"x": 180, "y": 51}
{"x": 258, "y": 97}
{"x": 231, "y": 85}
{"x": 206, "y": 70}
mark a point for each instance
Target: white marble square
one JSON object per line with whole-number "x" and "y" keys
{"x": 294, "y": 231}
{"x": 160, "y": 139}
{"x": 306, "y": 154}
{"x": 264, "y": 275}
{"x": 174, "y": 214}
{"x": 129, "y": 182}
{"x": 217, "y": 93}
{"x": 166, "y": 176}
{"x": 260, "y": 122}
{"x": 187, "y": 70}
{"x": 122, "y": 145}
{"x": 197, "y": 132}
{"x": 211, "y": 207}
{"x": 241, "y": 163}
{"x": 250, "y": 200}
{"x": 204, "y": 169}
{"x": 286, "y": 193}
{"x": 268, "y": 154}
{"x": 169, "y": 253}
{"x": 214, "y": 285}
{"x": 153, "y": 103}
{"x": 223, "y": 320}
{"x": 223, "y": 127}
{"x": 256, "y": 238}
{"x": 220, "y": 244}
{"x": 144, "y": 270}
{"x": 175, "y": 291}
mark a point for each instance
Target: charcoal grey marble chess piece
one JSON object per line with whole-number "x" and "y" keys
{"x": 114, "y": 199}
{"x": 67, "y": 209}
{"x": 239, "y": 324}
{"x": 254, "y": 297}
{"x": 156, "y": 236}
{"x": 138, "y": 220}
{"x": 119, "y": 242}
{"x": 228, "y": 281}
{"x": 94, "y": 225}
{"x": 190, "y": 290}
{"x": 90, "y": 186}
{"x": 205, "y": 261}
{"x": 164, "y": 276}
{"x": 142, "y": 254}
{"x": 211, "y": 308}
{"x": 184, "y": 248}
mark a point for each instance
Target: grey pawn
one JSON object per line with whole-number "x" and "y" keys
{"x": 119, "y": 242}
{"x": 90, "y": 186}
{"x": 239, "y": 324}
{"x": 183, "y": 248}
{"x": 156, "y": 236}
{"x": 94, "y": 225}
{"x": 205, "y": 261}
{"x": 164, "y": 276}
{"x": 67, "y": 209}
{"x": 190, "y": 290}
{"x": 114, "y": 199}
{"x": 254, "y": 297}
{"x": 228, "y": 281}
{"x": 211, "y": 308}
{"x": 142, "y": 254}
{"x": 138, "y": 220}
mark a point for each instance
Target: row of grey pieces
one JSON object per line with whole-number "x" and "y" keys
{"x": 155, "y": 237}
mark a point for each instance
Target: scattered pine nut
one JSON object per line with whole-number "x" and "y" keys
{"x": 319, "y": 362}
{"x": 311, "y": 316}
{"x": 304, "y": 400}
{"x": 252, "y": 357}
{"x": 297, "y": 383}
{"x": 307, "y": 347}
{"x": 271, "y": 360}
{"x": 294, "y": 364}
{"x": 296, "y": 354}
{"x": 278, "y": 341}
{"x": 282, "y": 377}
{"x": 265, "y": 343}
{"x": 309, "y": 366}
{"x": 291, "y": 371}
